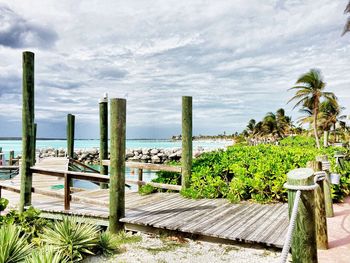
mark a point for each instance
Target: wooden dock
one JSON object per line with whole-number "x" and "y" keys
{"x": 212, "y": 218}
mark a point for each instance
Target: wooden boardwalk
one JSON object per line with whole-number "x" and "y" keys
{"x": 213, "y": 218}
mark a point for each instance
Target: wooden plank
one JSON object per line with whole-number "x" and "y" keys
{"x": 149, "y": 166}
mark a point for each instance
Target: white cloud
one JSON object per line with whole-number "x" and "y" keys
{"x": 236, "y": 58}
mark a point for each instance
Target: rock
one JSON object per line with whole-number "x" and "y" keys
{"x": 145, "y": 151}
{"x": 155, "y": 159}
{"x": 154, "y": 151}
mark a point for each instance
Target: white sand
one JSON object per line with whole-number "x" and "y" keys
{"x": 172, "y": 249}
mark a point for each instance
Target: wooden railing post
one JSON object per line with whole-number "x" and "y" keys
{"x": 11, "y": 157}
{"x": 140, "y": 178}
{"x": 327, "y": 188}
{"x": 34, "y": 143}
{"x": 27, "y": 129}
{"x": 70, "y": 135}
{"x": 303, "y": 245}
{"x": 186, "y": 141}
{"x": 320, "y": 209}
{"x": 67, "y": 182}
{"x": 103, "y": 106}
{"x": 117, "y": 162}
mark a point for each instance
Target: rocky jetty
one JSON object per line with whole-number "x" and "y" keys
{"x": 145, "y": 155}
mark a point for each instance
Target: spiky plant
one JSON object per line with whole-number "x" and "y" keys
{"x": 72, "y": 238}
{"x": 13, "y": 247}
{"x": 108, "y": 243}
{"x": 46, "y": 254}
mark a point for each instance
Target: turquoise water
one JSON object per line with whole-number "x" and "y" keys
{"x": 16, "y": 145}
{"x": 8, "y": 145}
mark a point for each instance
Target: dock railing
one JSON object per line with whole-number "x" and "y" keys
{"x": 307, "y": 202}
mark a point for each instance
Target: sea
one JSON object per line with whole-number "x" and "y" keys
{"x": 16, "y": 146}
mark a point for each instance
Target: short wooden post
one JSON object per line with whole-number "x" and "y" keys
{"x": 57, "y": 152}
{"x": 327, "y": 188}
{"x": 320, "y": 209}
{"x": 140, "y": 178}
{"x": 117, "y": 164}
{"x": 67, "y": 182}
{"x": 303, "y": 246}
{"x": 70, "y": 135}
{"x": 186, "y": 142}
{"x": 1, "y": 157}
{"x": 11, "y": 157}
{"x": 27, "y": 129}
{"x": 103, "y": 105}
{"x": 34, "y": 142}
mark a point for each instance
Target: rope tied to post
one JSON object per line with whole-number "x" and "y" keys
{"x": 318, "y": 176}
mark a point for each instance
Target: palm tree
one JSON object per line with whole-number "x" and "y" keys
{"x": 251, "y": 126}
{"x": 310, "y": 89}
{"x": 347, "y": 24}
{"x": 329, "y": 115}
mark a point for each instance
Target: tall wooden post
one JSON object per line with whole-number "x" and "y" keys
{"x": 27, "y": 129}
{"x": 186, "y": 141}
{"x": 303, "y": 246}
{"x": 34, "y": 142}
{"x": 327, "y": 188}
{"x": 117, "y": 164}
{"x": 320, "y": 209}
{"x": 11, "y": 157}
{"x": 103, "y": 105}
{"x": 70, "y": 135}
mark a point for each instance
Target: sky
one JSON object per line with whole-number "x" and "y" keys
{"x": 236, "y": 58}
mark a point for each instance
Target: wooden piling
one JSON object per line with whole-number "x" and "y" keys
{"x": 327, "y": 188}
{"x": 117, "y": 164}
{"x": 70, "y": 135}
{"x": 67, "y": 183}
{"x": 103, "y": 106}
{"x": 140, "y": 177}
{"x": 320, "y": 209}
{"x": 186, "y": 141}
{"x": 34, "y": 143}
{"x": 27, "y": 129}
{"x": 11, "y": 157}
{"x": 304, "y": 248}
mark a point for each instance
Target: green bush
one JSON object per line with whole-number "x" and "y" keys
{"x": 298, "y": 141}
{"x": 13, "y": 247}
{"x": 30, "y": 221}
{"x": 108, "y": 243}
{"x": 72, "y": 238}
{"x": 46, "y": 254}
{"x": 3, "y": 204}
{"x": 255, "y": 172}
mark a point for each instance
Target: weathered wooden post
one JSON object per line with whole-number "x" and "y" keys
{"x": 34, "y": 142}
{"x": 320, "y": 209}
{"x": 67, "y": 183}
{"x": 117, "y": 164}
{"x": 11, "y": 157}
{"x": 327, "y": 188}
{"x": 27, "y": 129}
{"x": 303, "y": 246}
{"x": 103, "y": 105}
{"x": 186, "y": 141}
{"x": 70, "y": 135}
{"x": 140, "y": 178}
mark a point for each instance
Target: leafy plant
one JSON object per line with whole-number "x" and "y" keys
{"x": 30, "y": 221}
{"x": 72, "y": 238}
{"x": 13, "y": 247}
{"x": 3, "y": 204}
{"x": 147, "y": 189}
{"x": 108, "y": 243}
{"x": 46, "y": 254}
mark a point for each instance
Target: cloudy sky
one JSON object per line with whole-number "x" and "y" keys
{"x": 236, "y": 58}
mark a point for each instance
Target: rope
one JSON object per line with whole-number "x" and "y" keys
{"x": 291, "y": 226}
{"x": 319, "y": 176}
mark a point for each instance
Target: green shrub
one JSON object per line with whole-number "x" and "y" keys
{"x": 3, "y": 204}
{"x": 147, "y": 189}
{"x": 46, "y": 254}
{"x": 108, "y": 243}
{"x": 13, "y": 247}
{"x": 255, "y": 172}
{"x": 72, "y": 238}
{"x": 298, "y": 141}
{"x": 30, "y": 221}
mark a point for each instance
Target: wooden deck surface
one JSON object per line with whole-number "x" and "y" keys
{"x": 246, "y": 222}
